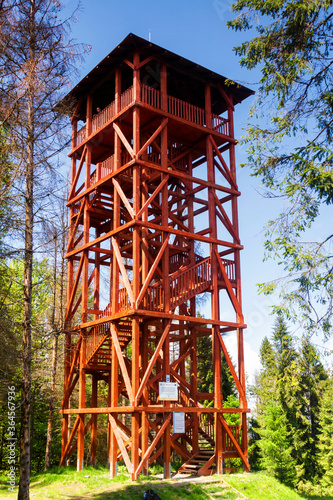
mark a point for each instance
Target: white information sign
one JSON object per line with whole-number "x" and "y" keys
{"x": 179, "y": 422}
{"x": 168, "y": 391}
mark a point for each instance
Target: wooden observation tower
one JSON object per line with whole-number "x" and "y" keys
{"x": 153, "y": 227}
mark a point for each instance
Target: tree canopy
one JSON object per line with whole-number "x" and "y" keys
{"x": 290, "y": 142}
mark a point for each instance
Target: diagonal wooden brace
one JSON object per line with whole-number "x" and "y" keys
{"x": 122, "y": 270}
{"x": 123, "y": 140}
{"x": 152, "y": 362}
{"x": 230, "y": 290}
{"x": 152, "y": 445}
{"x": 151, "y": 272}
{"x": 235, "y": 443}
{"x": 122, "y": 364}
{"x": 120, "y": 442}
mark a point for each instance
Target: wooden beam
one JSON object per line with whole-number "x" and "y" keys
{"x": 123, "y": 139}
{"x": 78, "y": 172}
{"x": 152, "y": 138}
{"x": 151, "y": 198}
{"x": 120, "y": 442}
{"x": 225, "y": 219}
{"x": 235, "y": 443}
{"x": 74, "y": 289}
{"x": 152, "y": 445}
{"x": 123, "y": 270}
{"x": 122, "y": 365}
{"x": 151, "y": 272}
{"x": 230, "y": 290}
{"x": 152, "y": 362}
{"x": 123, "y": 197}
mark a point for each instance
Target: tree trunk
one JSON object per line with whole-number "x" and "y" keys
{"x": 25, "y": 457}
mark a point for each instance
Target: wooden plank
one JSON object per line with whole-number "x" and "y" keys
{"x": 120, "y": 442}
{"x": 122, "y": 365}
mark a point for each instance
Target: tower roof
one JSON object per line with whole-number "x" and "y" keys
{"x": 192, "y": 75}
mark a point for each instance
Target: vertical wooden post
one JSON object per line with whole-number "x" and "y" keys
{"x": 94, "y": 420}
{"x": 114, "y": 403}
{"x": 144, "y": 415}
{"x": 215, "y": 306}
{"x": 136, "y": 266}
{"x": 82, "y": 404}
{"x": 240, "y": 339}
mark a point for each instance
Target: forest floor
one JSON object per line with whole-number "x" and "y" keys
{"x": 95, "y": 484}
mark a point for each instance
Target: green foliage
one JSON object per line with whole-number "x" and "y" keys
{"x": 11, "y": 306}
{"x": 290, "y": 142}
{"x": 275, "y": 444}
{"x": 204, "y": 364}
{"x": 288, "y": 391}
{"x": 325, "y": 456}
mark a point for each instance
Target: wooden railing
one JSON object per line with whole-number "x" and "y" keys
{"x": 206, "y": 423}
{"x": 103, "y": 116}
{"x": 184, "y": 284}
{"x": 177, "y": 260}
{"x": 95, "y": 339}
{"x": 220, "y": 125}
{"x": 153, "y": 98}
{"x": 236, "y": 430}
{"x": 81, "y": 135}
{"x": 192, "y": 280}
{"x": 229, "y": 266}
{"x": 150, "y": 96}
{"x": 185, "y": 110}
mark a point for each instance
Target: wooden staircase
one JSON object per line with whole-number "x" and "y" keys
{"x": 202, "y": 463}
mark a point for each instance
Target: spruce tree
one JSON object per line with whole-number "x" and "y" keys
{"x": 325, "y": 455}
{"x": 289, "y": 388}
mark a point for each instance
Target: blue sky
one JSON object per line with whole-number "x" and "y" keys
{"x": 196, "y": 29}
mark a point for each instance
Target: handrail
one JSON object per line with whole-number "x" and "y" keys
{"x": 183, "y": 283}
{"x": 153, "y": 97}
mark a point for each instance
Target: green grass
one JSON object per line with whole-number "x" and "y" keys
{"x": 95, "y": 484}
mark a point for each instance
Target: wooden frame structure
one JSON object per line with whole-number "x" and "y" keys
{"x": 153, "y": 226}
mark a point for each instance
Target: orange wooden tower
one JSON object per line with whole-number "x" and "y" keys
{"x": 153, "y": 226}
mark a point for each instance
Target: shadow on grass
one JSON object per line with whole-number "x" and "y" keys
{"x": 165, "y": 491}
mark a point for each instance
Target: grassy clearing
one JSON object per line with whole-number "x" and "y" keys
{"x": 95, "y": 484}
